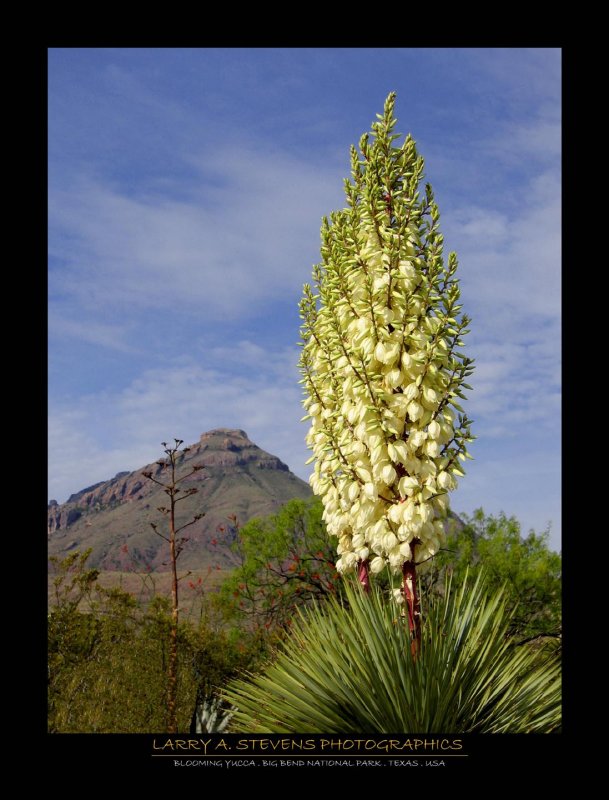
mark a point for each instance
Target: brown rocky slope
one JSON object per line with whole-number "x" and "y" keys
{"x": 113, "y": 517}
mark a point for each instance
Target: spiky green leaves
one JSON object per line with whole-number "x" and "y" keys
{"x": 353, "y": 672}
{"x": 381, "y": 363}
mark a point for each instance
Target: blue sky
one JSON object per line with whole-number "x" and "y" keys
{"x": 186, "y": 191}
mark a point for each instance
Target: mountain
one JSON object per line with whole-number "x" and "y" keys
{"x": 113, "y": 517}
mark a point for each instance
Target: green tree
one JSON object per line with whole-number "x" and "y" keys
{"x": 382, "y": 366}
{"x": 525, "y": 565}
{"x": 286, "y": 560}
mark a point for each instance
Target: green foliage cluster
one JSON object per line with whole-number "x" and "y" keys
{"x": 525, "y": 565}
{"x": 108, "y": 657}
{"x": 286, "y": 560}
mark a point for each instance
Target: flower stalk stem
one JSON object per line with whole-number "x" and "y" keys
{"x": 413, "y": 604}
{"x": 363, "y": 575}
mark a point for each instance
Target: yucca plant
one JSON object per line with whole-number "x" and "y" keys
{"x": 353, "y": 672}
{"x": 383, "y": 369}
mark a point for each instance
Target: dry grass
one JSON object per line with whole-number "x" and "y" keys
{"x": 143, "y": 587}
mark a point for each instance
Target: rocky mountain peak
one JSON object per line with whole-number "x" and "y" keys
{"x": 238, "y": 477}
{"x": 227, "y": 433}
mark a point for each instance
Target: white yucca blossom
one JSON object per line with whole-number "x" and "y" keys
{"x": 381, "y": 363}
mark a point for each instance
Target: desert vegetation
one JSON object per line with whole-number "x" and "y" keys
{"x": 109, "y": 647}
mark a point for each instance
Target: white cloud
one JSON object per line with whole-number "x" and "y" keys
{"x": 77, "y": 456}
{"x": 96, "y": 436}
{"x": 487, "y": 228}
{"x": 247, "y": 238}
{"x": 113, "y": 336}
{"x": 523, "y": 77}
{"x": 510, "y": 275}
{"x": 540, "y": 139}
{"x": 512, "y": 259}
{"x": 515, "y": 385}
{"x": 509, "y": 254}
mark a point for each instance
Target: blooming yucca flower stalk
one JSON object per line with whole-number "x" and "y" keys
{"x": 382, "y": 368}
